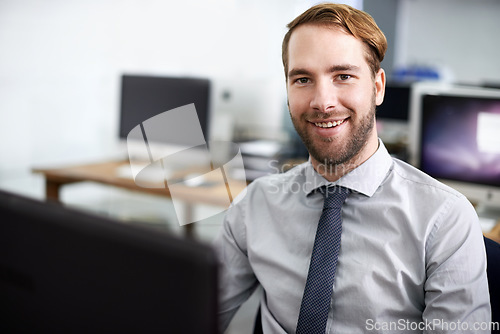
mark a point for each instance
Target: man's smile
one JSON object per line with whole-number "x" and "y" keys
{"x": 329, "y": 124}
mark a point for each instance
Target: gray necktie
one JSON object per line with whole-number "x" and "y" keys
{"x": 318, "y": 290}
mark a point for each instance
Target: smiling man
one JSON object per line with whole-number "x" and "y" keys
{"x": 332, "y": 96}
{"x": 397, "y": 252}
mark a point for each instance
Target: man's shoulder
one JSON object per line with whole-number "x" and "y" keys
{"x": 417, "y": 179}
{"x": 273, "y": 188}
{"x": 294, "y": 175}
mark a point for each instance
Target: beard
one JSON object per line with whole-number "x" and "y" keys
{"x": 336, "y": 157}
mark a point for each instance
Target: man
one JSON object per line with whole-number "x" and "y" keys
{"x": 411, "y": 251}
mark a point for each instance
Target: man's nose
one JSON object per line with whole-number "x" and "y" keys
{"x": 325, "y": 97}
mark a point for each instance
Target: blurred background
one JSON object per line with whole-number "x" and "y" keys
{"x": 61, "y": 63}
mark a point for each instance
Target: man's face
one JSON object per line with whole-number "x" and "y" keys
{"x": 332, "y": 95}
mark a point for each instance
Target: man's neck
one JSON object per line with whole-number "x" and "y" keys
{"x": 333, "y": 172}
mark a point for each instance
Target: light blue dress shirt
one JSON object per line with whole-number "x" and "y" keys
{"x": 412, "y": 255}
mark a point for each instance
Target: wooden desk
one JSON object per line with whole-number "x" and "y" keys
{"x": 106, "y": 173}
{"x": 494, "y": 234}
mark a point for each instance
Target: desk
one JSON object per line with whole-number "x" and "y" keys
{"x": 494, "y": 234}
{"x": 106, "y": 173}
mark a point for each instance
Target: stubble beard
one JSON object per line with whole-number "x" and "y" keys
{"x": 344, "y": 158}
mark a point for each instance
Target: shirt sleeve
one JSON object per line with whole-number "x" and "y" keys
{"x": 456, "y": 290}
{"x": 236, "y": 278}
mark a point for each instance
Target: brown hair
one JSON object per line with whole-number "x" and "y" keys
{"x": 352, "y": 21}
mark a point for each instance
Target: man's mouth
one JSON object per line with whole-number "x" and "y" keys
{"x": 329, "y": 124}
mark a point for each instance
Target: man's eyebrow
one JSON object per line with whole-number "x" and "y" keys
{"x": 335, "y": 68}
{"x": 344, "y": 67}
{"x": 299, "y": 71}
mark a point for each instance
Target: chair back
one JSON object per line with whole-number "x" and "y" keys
{"x": 493, "y": 271}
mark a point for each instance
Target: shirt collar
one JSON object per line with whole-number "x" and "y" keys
{"x": 365, "y": 179}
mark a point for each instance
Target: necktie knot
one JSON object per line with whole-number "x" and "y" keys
{"x": 334, "y": 196}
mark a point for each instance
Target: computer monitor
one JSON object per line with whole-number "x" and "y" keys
{"x": 143, "y": 97}
{"x": 65, "y": 271}
{"x": 455, "y": 137}
{"x": 396, "y": 103}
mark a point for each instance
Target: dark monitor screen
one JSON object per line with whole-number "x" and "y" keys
{"x": 460, "y": 138}
{"x": 65, "y": 271}
{"x": 396, "y": 103}
{"x": 143, "y": 97}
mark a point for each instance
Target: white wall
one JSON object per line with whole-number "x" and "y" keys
{"x": 460, "y": 35}
{"x": 60, "y": 62}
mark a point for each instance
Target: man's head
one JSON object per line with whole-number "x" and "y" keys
{"x": 334, "y": 82}
{"x": 352, "y": 21}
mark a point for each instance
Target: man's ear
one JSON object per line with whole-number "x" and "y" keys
{"x": 379, "y": 87}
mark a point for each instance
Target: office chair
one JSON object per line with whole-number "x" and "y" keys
{"x": 493, "y": 271}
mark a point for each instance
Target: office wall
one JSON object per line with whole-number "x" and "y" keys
{"x": 60, "y": 60}
{"x": 60, "y": 63}
{"x": 385, "y": 13}
{"x": 458, "y": 35}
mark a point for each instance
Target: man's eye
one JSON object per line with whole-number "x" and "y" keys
{"x": 344, "y": 77}
{"x": 302, "y": 80}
